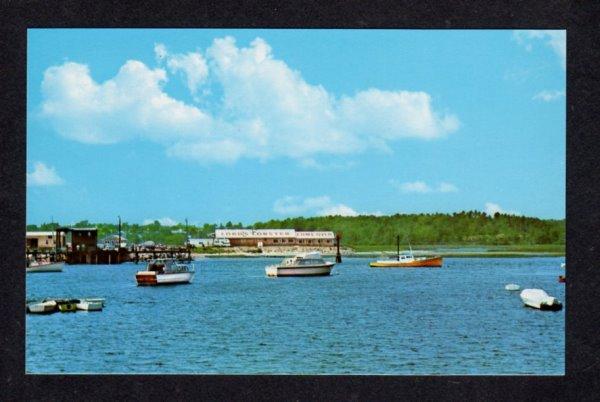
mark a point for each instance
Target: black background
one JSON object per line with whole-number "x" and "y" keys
{"x": 583, "y": 291}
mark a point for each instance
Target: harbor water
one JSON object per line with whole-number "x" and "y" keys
{"x": 234, "y": 320}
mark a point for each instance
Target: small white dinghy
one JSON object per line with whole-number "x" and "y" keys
{"x": 512, "y": 287}
{"x": 537, "y": 298}
{"x": 43, "y": 307}
{"x": 89, "y": 304}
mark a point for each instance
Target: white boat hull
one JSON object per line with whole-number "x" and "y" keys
{"x": 50, "y": 267}
{"x": 322, "y": 270}
{"x": 42, "y": 307}
{"x": 86, "y": 305}
{"x": 149, "y": 278}
{"x": 537, "y": 298}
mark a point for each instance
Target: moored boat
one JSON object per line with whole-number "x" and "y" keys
{"x": 537, "y": 298}
{"x": 67, "y": 306}
{"x": 165, "y": 271}
{"x": 37, "y": 266}
{"x": 43, "y": 307}
{"x": 562, "y": 278}
{"x": 307, "y": 264}
{"x": 512, "y": 287}
{"x": 408, "y": 260}
{"x": 89, "y": 305}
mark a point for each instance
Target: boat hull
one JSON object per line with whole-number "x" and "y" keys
{"x": 52, "y": 267}
{"x": 433, "y": 262}
{"x": 538, "y": 299}
{"x": 68, "y": 306}
{"x": 149, "y": 278}
{"x": 321, "y": 270}
{"x": 85, "y": 305}
{"x": 46, "y": 307}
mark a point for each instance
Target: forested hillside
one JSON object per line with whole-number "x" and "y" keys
{"x": 463, "y": 228}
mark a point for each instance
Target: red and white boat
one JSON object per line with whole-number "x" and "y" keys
{"x": 408, "y": 260}
{"x": 165, "y": 271}
{"x": 308, "y": 264}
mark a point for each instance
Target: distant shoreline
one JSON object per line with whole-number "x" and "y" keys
{"x": 370, "y": 254}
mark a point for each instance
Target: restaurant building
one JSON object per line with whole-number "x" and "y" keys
{"x": 276, "y": 237}
{"x": 42, "y": 241}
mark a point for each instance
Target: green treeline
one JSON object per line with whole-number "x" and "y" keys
{"x": 462, "y": 228}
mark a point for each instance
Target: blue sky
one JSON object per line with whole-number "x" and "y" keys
{"x": 247, "y": 125}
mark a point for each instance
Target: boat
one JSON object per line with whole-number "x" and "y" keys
{"x": 89, "y": 304}
{"x": 165, "y": 271}
{"x": 43, "y": 307}
{"x": 562, "y": 278}
{"x": 306, "y": 264}
{"x": 66, "y": 305}
{"x": 408, "y": 260}
{"x": 43, "y": 266}
{"x": 537, "y": 298}
{"x": 512, "y": 287}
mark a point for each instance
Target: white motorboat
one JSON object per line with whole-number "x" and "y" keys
{"x": 512, "y": 287}
{"x": 165, "y": 271}
{"x": 307, "y": 264}
{"x": 89, "y": 304}
{"x": 537, "y": 298}
{"x": 37, "y": 266}
{"x": 43, "y": 307}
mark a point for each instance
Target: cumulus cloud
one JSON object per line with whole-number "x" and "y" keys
{"x": 266, "y": 109}
{"x": 491, "y": 209}
{"x": 191, "y": 65}
{"x": 319, "y": 206}
{"x": 128, "y": 105}
{"x": 549, "y": 96}
{"x": 422, "y": 188}
{"x": 43, "y": 175}
{"x": 163, "y": 221}
{"x": 555, "y": 39}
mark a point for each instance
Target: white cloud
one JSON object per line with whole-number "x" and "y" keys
{"x": 319, "y": 206}
{"x": 548, "y": 96}
{"x": 267, "y": 109}
{"x": 160, "y": 51}
{"x": 447, "y": 188}
{"x": 555, "y": 39}
{"x": 163, "y": 221}
{"x": 130, "y": 104}
{"x": 491, "y": 209}
{"x": 43, "y": 175}
{"x": 415, "y": 187}
{"x": 192, "y": 65}
{"x": 422, "y": 188}
{"x": 339, "y": 209}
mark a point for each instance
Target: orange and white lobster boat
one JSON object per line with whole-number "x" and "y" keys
{"x": 165, "y": 271}
{"x": 408, "y": 260}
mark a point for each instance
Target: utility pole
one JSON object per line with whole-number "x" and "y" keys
{"x": 338, "y": 257}
{"x": 119, "y": 245}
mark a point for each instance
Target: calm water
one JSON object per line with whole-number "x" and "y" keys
{"x": 232, "y": 319}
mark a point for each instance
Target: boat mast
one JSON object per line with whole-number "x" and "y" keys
{"x": 397, "y": 247}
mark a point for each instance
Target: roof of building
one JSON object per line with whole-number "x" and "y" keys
{"x": 34, "y": 234}
{"x": 272, "y": 233}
